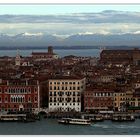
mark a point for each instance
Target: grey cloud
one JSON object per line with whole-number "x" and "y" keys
{"x": 102, "y": 17}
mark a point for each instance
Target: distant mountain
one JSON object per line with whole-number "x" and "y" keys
{"x": 85, "y": 39}
{"x": 105, "y": 40}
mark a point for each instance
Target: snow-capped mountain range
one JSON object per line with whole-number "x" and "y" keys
{"x": 80, "y": 39}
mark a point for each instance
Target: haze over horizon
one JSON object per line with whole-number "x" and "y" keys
{"x": 69, "y": 25}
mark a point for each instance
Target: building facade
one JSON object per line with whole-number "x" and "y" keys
{"x": 19, "y": 95}
{"x": 65, "y": 93}
{"x": 98, "y": 100}
{"x": 42, "y": 56}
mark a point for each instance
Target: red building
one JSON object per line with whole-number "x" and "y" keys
{"x": 98, "y": 99}
{"x": 42, "y": 56}
{"x": 19, "y": 95}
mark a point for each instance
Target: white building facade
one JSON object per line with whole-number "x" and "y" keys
{"x": 65, "y": 94}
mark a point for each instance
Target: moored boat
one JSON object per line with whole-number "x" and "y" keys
{"x": 123, "y": 117}
{"x": 74, "y": 121}
{"x": 12, "y": 117}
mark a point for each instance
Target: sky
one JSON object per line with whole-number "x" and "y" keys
{"x": 67, "y": 20}
{"x": 62, "y": 9}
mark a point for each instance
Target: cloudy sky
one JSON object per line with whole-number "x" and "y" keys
{"x": 66, "y": 20}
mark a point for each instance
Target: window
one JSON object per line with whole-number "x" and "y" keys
{"x": 35, "y": 99}
{"x": 50, "y": 99}
{"x": 6, "y": 99}
{"x": 5, "y": 90}
{"x": 50, "y": 83}
{"x": 29, "y": 89}
{"x": 74, "y": 83}
{"x": 54, "y": 99}
{"x": 34, "y": 89}
{"x": 54, "y": 87}
{"x": 29, "y": 99}
{"x": 0, "y": 90}
{"x": 78, "y": 88}
{"x": 50, "y": 93}
{"x": 50, "y": 87}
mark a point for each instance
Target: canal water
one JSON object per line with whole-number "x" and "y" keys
{"x": 52, "y": 127}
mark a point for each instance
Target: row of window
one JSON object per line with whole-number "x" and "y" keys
{"x": 65, "y": 88}
{"x": 64, "y": 99}
{"x": 64, "y": 93}
{"x": 101, "y": 94}
{"x": 63, "y": 104}
{"x": 70, "y": 83}
{"x": 18, "y": 90}
{"x": 17, "y": 99}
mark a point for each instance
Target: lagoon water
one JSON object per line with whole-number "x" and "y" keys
{"x": 60, "y": 52}
{"x": 51, "y": 127}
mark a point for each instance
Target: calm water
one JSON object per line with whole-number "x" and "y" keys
{"x": 51, "y": 127}
{"x": 61, "y": 53}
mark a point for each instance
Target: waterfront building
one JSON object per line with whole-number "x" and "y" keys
{"x": 120, "y": 100}
{"x": 98, "y": 99}
{"x": 19, "y": 95}
{"x": 65, "y": 93}
{"x": 120, "y": 57}
{"x": 42, "y": 56}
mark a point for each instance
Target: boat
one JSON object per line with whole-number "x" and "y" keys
{"x": 123, "y": 117}
{"x": 97, "y": 119}
{"x": 12, "y": 117}
{"x": 74, "y": 121}
{"x": 93, "y": 117}
{"x": 18, "y": 117}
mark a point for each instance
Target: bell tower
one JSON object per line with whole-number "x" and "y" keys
{"x": 18, "y": 59}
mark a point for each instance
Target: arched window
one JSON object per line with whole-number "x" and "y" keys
{"x": 19, "y": 99}
{"x": 16, "y": 100}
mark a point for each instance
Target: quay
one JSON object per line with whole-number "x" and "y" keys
{"x": 96, "y": 117}
{"x": 63, "y": 115}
